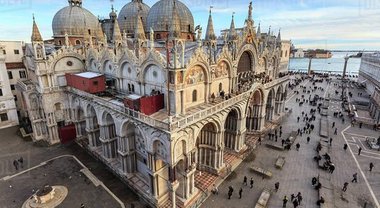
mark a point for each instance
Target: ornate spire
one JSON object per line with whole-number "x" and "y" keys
{"x": 75, "y": 3}
{"x": 116, "y": 37}
{"x": 279, "y": 35}
{"x": 113, "y": 14}
{"x": 232, "y": 33}
{"x": 36, "y": 35}
{"x": 139, "y": 30}
{"x": 250, "y": 11}
{"x": 175, "y": 26}
{"x": 269, "y": 30}
{"x": 100, "y": 34}
{"x": 259, "y": 29}
{"x": 210, "y": 34}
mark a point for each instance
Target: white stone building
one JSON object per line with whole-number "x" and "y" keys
{"x": 216, "y": 90}
{"x": 8, "y": 111}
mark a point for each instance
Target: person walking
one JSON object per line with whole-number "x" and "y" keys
{"x": 355, "y": 178}
{"x": 295, "y": 203}
{"x": 344, "y": 189}
{"x": 336, "y": 131}
{"x": 251, "y": 183}
{"x": 299, "y": 198}
{"x": 230, "y": 191}
{"x": 277, "y": 186}
{"x": 371, "y": 166}
{"x": 331, "y": 168}
{"x": 284, "y": 201}
{"x": 359, "y": 150}
{"x": 345, "y": 147}
{"x": 282, "y": 142}
{"x": 298, "y": 119}
{"x": 331, "y": 141}
{"x": 298, "y": 146}
{"x": 15, "y": 163}
{"x": 240, "y": 192}
{"x": 245, "y": 181}
{"x": 21, "y": 161}
{"x": 333, "y": 124}
{"x": 308, "y": 140}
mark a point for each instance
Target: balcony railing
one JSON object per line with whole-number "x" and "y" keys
{"x": 120, "y": 109}
{"x": 276, "y": 82}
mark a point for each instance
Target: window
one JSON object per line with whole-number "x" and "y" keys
{"x": 15, "y": 96}
{"x": 4, "y": 117}
{"x": 77, "y": 42}
{"x": 95, "y": 83}
{"x": 10, "y": 75}
{"x": 89, "y": 31}
{"x": 194, "y": 96}
{"x": 59, "y": 42}
{"x": 1, "y": 92}
{"x": 17, "y": 51}
{"x": 13, "y": 87}
{"x": 22, "y": 74}
{"x": 133, "y": 88}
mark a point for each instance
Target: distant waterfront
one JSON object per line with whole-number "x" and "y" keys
{"x": 334, "y": 65}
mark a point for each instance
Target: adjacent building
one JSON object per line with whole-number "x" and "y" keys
{"x": 208, "y": 95}
{"x": 369, "y": 75}
{"x": 8, "y": 111}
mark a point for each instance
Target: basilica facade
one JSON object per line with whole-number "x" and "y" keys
{"x": 217, "y": 90}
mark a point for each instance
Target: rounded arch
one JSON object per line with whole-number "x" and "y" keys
{"x": 245, "y": 63}
{"x": 279, "y": 93}
{"x": 196, "y": 74}
{"x": 68, "y": 63}
{"x": 108, "y": 67}
{"x": 224, "y": 69}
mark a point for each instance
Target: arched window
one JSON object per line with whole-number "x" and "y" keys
{"x": 59, "y": 42}
{"x": 77, "y": 42}
{"x": 129, "y": 88}
{"x": 133, "y": 88}
{"x": 220, "y": 87}
{"x": 286, "y": 54}
{"x": 194, "y": 95}
{"x": 158, "y": 36}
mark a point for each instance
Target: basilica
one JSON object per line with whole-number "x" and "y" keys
{"x": 217, "y": 92}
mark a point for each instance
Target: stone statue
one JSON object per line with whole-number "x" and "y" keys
{"x": 67, "y": 42}
{"x": 250, "y": 11}
{"x": 151, "y": 34}
{"x": 199, "y": 36}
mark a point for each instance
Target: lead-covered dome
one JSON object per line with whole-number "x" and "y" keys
{"x": 160, "y": 16}
{"x": 74, "y": 20}
{"x": 127, "y": 15}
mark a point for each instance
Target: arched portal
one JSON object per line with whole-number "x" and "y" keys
{"x": 245, "y": 70}
{"x": 254, "y": 121}
{"x": 93, "y": 130}
{"x": 269, "y": 109}
{"x": 210, "y": 152}
{"x": 80, "y": 122}
{"x": 279, "y": 100}
{"x": 231, "y": 130}
{"x": 108, "y": 137}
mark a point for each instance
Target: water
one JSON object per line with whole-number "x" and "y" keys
{"x": 334, "y": 65}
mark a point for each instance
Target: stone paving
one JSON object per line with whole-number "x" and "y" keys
{"x": 300, "y": 167}
{"x": 13, "y": 147}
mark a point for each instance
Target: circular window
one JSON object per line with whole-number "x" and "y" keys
{"x": 129, "y": 70}
{"x": 154, "y": 73}
{"x": 69, "y": 63}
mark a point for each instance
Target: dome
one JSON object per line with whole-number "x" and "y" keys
{"x": 160, "y": 16}
{"x": 74, "y": 20}
{"x": 127, "y": 15}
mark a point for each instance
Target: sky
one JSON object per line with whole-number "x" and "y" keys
{"x": 326, "y": 24}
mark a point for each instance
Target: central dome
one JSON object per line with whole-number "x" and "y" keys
{"x": 160, "y": 16}
{"x": 74, "y": 20}
{"x": 127, "y": 15}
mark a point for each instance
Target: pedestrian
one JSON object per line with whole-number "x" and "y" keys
{"x": 308, "y": 140}
{"x": 240, "y": 192}
{"x": 259, "y": 140}
{"x": 277, "y": 185}
{"x": 314, "y": 181}
{"x": 15, "y": 163}
{"x": 333, "y": 124}
{"x": 215, "y": 189}
{"x": 298, "y": 146}
{"x": 332, "y": 168}
{"x": 21, "y": 161}
{"x": 345, "y": 147}
{"x": 230, "y": 191}
{"x": 360, "y": 125}
{"x": 245, "y": 180}
{"x": 82, "y": 205}
{"x": 282, "y": 142}
{"x": 299, "y": 198}
{"x": 344, "y": 189}
{"x": 331, "y": 141}
{"x": 292, "y": 197}
{"x": 336, "y": 131}
{"x": 298, "y": 119}
{"x": 284, "y": 201}
{"x": 280, "y": 132}
{"x": 355, "y": 178}
{"x": 360, "y": 150}
{"x": 371, "y": 166}
{"x": 295, "y": 203}
{"x": 251, "y": 182}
